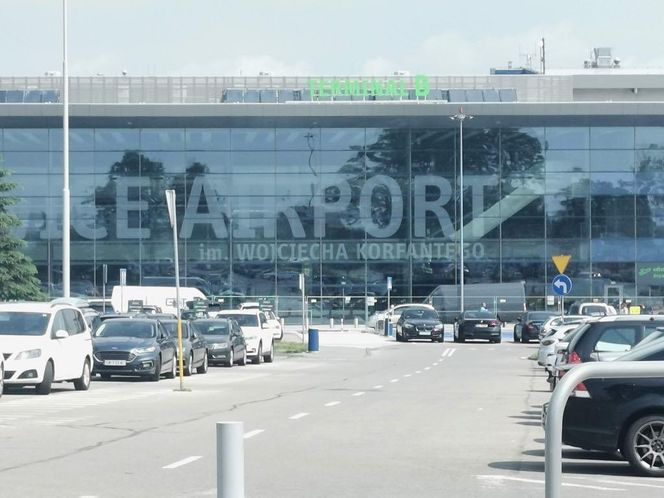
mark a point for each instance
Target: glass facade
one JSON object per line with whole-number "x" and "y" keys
{"x": 348, "y": 206}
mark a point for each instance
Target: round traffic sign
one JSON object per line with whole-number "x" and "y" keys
{"x": 562, "y": 284}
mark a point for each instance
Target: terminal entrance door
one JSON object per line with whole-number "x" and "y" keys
{"x": 613, "y": 295}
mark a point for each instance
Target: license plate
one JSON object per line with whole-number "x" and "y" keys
{"x": 425, "y": 332}
{"x": 481, "y": 325}
{"x": 115, "y": 363}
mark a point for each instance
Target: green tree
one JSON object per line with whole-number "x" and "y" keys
{"x": 18, "y": 275}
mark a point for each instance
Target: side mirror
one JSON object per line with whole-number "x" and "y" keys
{"x": 266, "y": 325}
{"x": 61, "y": 334}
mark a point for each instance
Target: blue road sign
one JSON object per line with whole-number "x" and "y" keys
{"x": 562, "y": 284}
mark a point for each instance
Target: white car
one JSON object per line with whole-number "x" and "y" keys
{"x": 556, "y": 321}
{"x": 272, "y": 319}
{"x": 258, "y": 333}
{"x": 44, "y": 343}
{"x": 547, "y": 346}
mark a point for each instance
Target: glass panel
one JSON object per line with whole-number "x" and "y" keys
{"x": 613, "y": 184}
{"x": 207, "y": 139}
{"x": 342, "y": 138}
{"x": 567, "y": 138}
{"x": 612, "y": 137}
{"x": 79, "y": 139}
{"x": 162, "y": 139}
{"x": 651, "y": 137}
{"x": 613, "y": 160}
{"x": 298, "y": 138}
{"x": 558, "y": 161}
{"x": 116, "y": 139}
{"x": 252, "y": 139}
{"x": 26, "y": 139}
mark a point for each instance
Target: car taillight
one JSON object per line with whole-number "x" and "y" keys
{"x": 493, "y": 323}
{"x": 580, "y": 391}
{"x": 574, "y": 358}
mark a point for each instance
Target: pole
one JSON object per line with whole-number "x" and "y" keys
{"x": 230, "y": 460}
{"x": 104, "y": 277}
{"x": 304, "y": 306}
{"x": 172, "y": 214}
{"x": 66, "y": 218}
{"x": 461, "y": 212}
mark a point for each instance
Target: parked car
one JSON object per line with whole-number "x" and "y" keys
{"x": 394, "y": 313}
{"x": 44, "y": 343}
{"x": 2, "y": 374}
{"x": 529, "y": 323}
{"x": 194, "y": 346}
{"x": 625, "y": 415}
{"x": 225, "y": 340}
{"x": 136, "y": 347}
{"x": 477, "y": 324}
{"x": 591, "y": 309}
{"x": 419, "y": 323}
{"x": 258, "y": 334}
{"x": 272, "y": 319}
{"x": 547, "y": 347}
{"x": 557, "y": 320}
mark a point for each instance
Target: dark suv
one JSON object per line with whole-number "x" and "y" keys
{"x": 528, "y": 325}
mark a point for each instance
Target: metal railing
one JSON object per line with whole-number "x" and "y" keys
{"x": 553, "y": 467}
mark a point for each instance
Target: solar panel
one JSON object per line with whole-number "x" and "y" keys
{"x": 507, "y": 95}
{"x": 457, "y": 95}
{"x": 286, "y": 95}
{"x": 474, "y": 96}
{"x": 251, "y": 96}
{"x": 33, "y": 96}
{"x": 14, "y": 96}
{"x": 232, "y": 95}
{"x": 51, "y": 96}
{"x": 491, "y": 96}
{"x": 3, "y": 96}
{"x": 268, "y": 96}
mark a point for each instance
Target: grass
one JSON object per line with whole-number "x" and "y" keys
{"x": 290, "y": 347}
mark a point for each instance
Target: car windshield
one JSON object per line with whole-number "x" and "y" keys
{"x": 479, "y": 314}
{"x": 594, "y": 310}
{"x": 248, "y": 320}
{"x": 421, "y": 314}
{"x": 212, "y": 327}
{"x": 126, "y": 328}
{"x": 23, "y": 323}
{"x": 172, "y": 328}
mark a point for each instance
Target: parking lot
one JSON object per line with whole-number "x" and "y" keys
{"x": 365, "y": 416}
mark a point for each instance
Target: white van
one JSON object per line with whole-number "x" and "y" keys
{"x": 163, "y": 297}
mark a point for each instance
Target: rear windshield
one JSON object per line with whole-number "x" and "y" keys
{"x": 540, "y": 316}
{"x": 594, "y": 310}
{"x": 479, "y": 314}
{"x": 22, "y": 323}
{"x": 247, "y": 320}
{"x": 126, "y": 328}
{"x": 421, "y": 314}
{"x": 212, "y": 327}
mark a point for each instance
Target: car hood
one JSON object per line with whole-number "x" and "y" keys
{"x": 422, "y": 321}
{"x": 17, "y": 343}
{"x": 121, "y": 343}
{"x": 215, "y": 339}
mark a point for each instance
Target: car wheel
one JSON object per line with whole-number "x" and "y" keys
{"x": 243, "y": 361}
{"x": 174, "y": 368}
{"x": 515, "y": 338}
{"x": 83, "y": 382}
{"x": 270, "y": 357}
{"x": 523, "y": 338}
{"x": 189, "y": 369}
{"x": 157, "y": 370}
{"x": 204, "y": 366}
{"x": 644, "y": 446}
{"x": 462, "y": 337}
{"x": 45, "y": 386}
{"x": 259, "y": 357}
{"x": 499, "y": 340}
{"x": 231, "y": 358}
{"x": 2, "y": 381}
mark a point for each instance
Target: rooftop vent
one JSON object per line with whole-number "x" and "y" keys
{"x": 601, "y": 57}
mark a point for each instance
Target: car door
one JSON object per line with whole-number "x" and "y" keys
{"x": 266, "y": 332}
{"x": 59, "y": 348}
{"x": 79, "y": 342}
{"x": 197, "y": 344}
{"x": 237, "y": 337}
{"x": 167, "y": 346}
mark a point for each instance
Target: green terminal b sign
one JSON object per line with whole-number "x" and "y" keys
{"x": 391, "y": 87}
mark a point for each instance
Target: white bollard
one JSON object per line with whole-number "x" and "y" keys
{"x": 230, "y": 460}
{"x": 357, "y": 322}
{"x": 331, "y": 323}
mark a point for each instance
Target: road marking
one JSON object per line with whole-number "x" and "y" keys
{"x": 643, "y": 485}
{"x": 250, "y": 434}
{"x": 452, "y": 351}
{"x": 537, "y": 481}
{"x": 407, "y": 375}
{"x": 359, "y": 393}
{"x": 427, "y": 368}
{"x": 298, "y": 416}
{"x": 333, "y": 403}
{"x": 379, "y": 386}
{"x": 394, "y": 380}
{"x": 435, "y": 364}
{"x": 182, "y": 462}
{"x": 418, "y": 371}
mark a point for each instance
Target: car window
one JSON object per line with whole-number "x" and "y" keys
{"x": 126, "y": 328}
{"x": 244, "y": 320}
{"x": 23, "y": 323}
{"x": 594, "y": 310}
{"x": 71, "y": 322}
{"x": 59, "y": 323}
{"x": 212, "y": 327}
{"x": 479, "y": 314}
{"x": 616, "y": 339}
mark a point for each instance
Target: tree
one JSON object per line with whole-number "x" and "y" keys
{"x": 18, "y": 275}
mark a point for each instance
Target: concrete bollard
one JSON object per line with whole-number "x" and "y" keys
{"x": 331, "y": 323}
{"x": 230, "y": 460}
{"x": 356, "y": 321}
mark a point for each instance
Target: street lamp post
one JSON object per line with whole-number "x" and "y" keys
{"x": 461, "y": 117}
{"x": 66, "y": 218}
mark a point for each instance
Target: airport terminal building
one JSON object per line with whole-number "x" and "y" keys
{"x": 347, "y": 180}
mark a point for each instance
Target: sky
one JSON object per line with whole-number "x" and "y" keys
{"x": 320, "y": 38}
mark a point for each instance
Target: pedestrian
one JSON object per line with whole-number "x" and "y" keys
{"x": 483, "y": 307}
{"x": 624, "y": 307}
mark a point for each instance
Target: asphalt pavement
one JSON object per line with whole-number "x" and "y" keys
{"x": 363, "y": 417}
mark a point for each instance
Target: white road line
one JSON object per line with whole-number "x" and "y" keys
{"x": 407, "y": 375}
{"x": 418, "y": 371}
{"x": 379, "y": 386}
{"x": 427, "y": 368}
{"x": 298, "y": 415}
{"x": 452, "y": 351}
{"x": 394, "y": 380}
{"x": 538, "y": 481}
{"x": 643, "y": 485}
{"x": 333, "y": 403}
{"x": 446, "y": 352}
{"x": 250, "y": 434}
{"x": 182, "y": 462}
{"x": 435, "y": 364}
{"x": 359, "y": 393}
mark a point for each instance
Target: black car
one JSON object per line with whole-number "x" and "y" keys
{"x": 528, "y": 325}
{"x": 420, "y": 323}
{"x": 479, "y": 324}
{"x": 621, "y": 414}
{"x": 194, "y": 346}
{"x": 225, "y": 341}
{"x": 130, "y": 346}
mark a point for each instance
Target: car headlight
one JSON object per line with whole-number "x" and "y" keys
{"x": 220, "y": 345}
{"x": 408, "y": 325}
{"x": 137, "y": 351}
{"x": 29, "y": 354}
{"x": 438, "y": 327}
